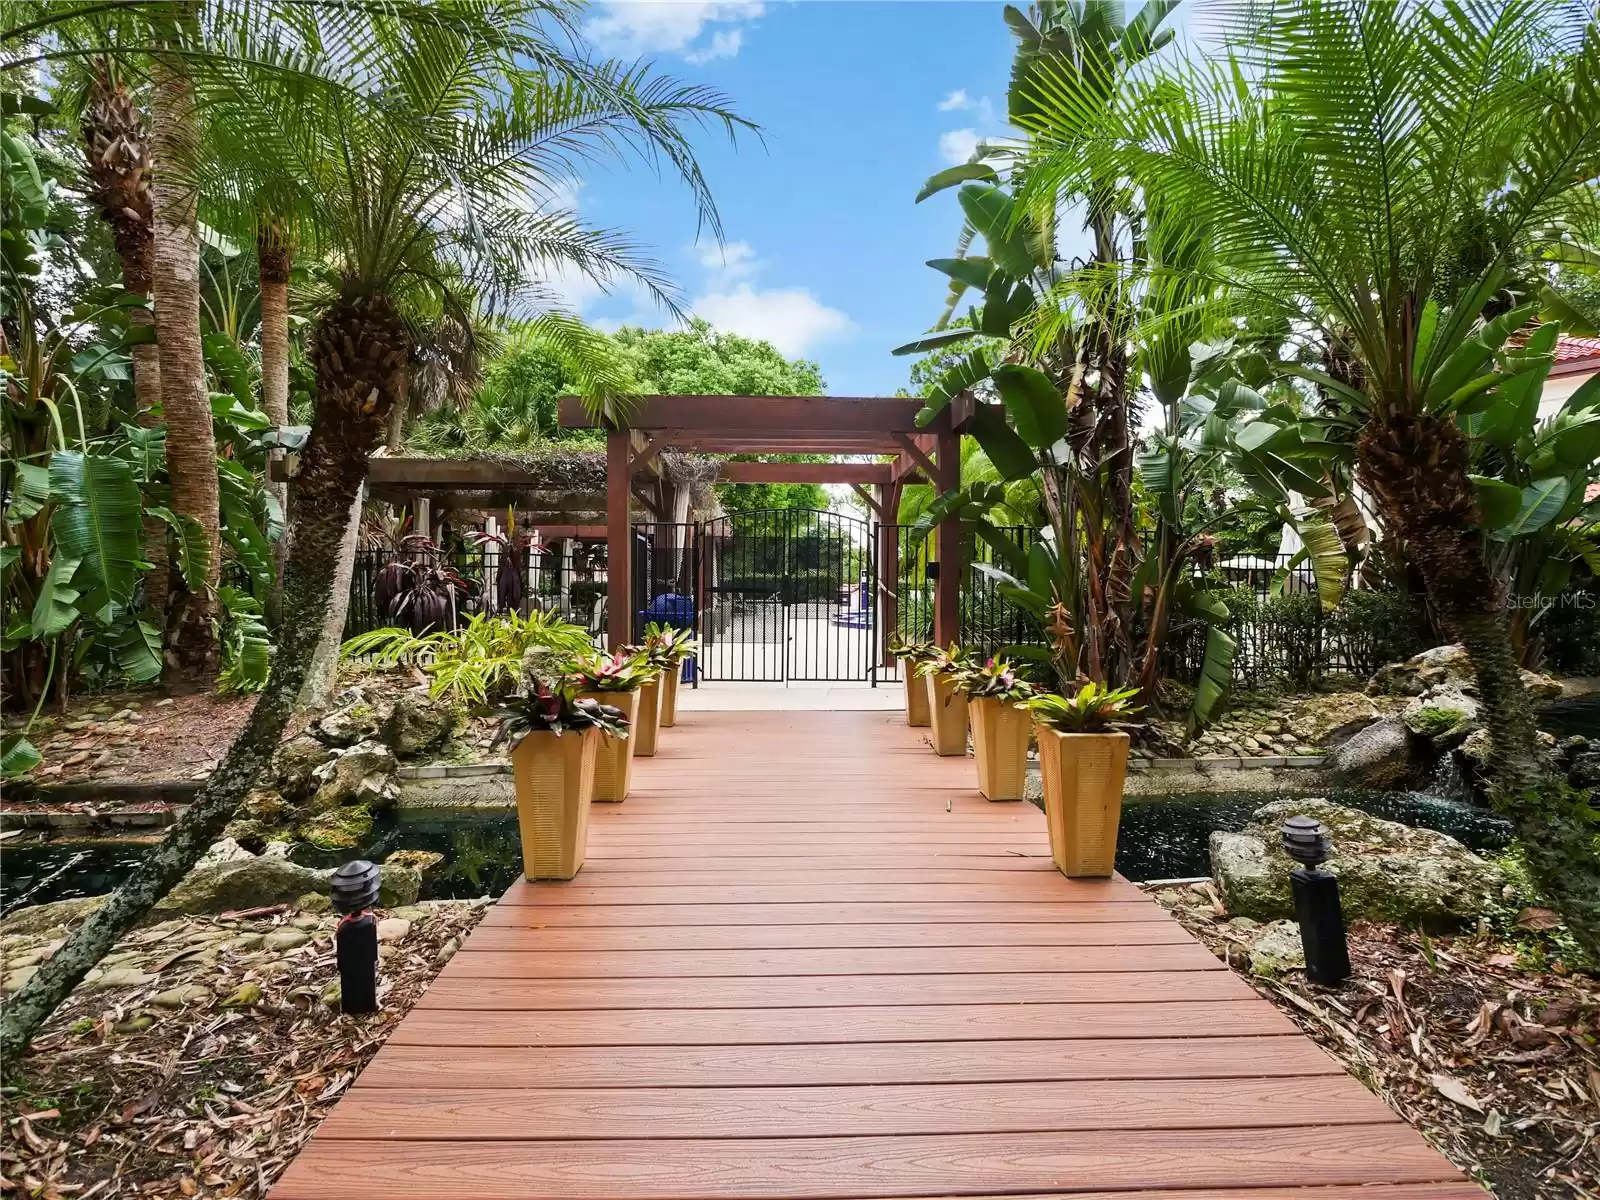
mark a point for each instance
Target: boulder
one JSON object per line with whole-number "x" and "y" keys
{"x": 294, "y": 765}
{"x": 1334, "y": 717}
{"x": 422, "y": 860}
{"x": 352, "y": 719}
{"x": 1277, "y": 948}
{"x": 42, "y": 918}
{"x": 1443, "y": 715}
{"x": 398, "y": 885}
{"x": 363, "y": 774}
{"x": 225, "y": 851}
{"x": 1387, "y": 871}
{"x": 252, "y": 883}
{"x": 344, "y": 827}
{"x": 417, "y": 723}
{"x": 1448, "y": 667}
{"x": 1379, "y": 756}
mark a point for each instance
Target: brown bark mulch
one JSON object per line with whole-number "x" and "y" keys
{"x": 1486, "y": 1042}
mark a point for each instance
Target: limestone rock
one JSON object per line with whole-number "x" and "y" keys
{"x": 1277, "y": 948}
{"x": 294, "y": 763}
{"x": 422, "y": 860}
{"x": 314, "y": 902}
{"x": 124, "y": 977}
{"x": 1387, "y": 871}
{"x": 225, "y": 851}
{"x": 15, "y": 979}
{"x": 363, "y": 774}
{"x": 417, "y": 723}
{"x": 1379, "y": 756}
{"x": 1450, "y": 667}
{"x": 398, "y": 885}
{"x": 286, "y": 938}
{"x": 352, "y": 719}
{"x": 341, "y": 828}
{"x": 58, "y": 914}
{"x": 393, "y": 929}
{"x": 247, "y": 996}
{"x": 251, "y": 883}
{"x": 189, "y": 993}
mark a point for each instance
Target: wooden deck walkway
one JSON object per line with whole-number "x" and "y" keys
{"x": 807, "y": 959}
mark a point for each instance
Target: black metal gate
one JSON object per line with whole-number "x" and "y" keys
{"x": 788, "y": 594}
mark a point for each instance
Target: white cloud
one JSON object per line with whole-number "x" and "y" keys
{"x": 955, "y": 101}
{"x": 792, "y": 319}
{"x": 729, "y": 261}
{"x": 956, "y": 147}
{"x": 672, "y": 26}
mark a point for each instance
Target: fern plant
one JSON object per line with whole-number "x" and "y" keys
{"x": 479, "y": 663}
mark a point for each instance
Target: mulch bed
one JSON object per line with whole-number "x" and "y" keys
{"x": 123, "y": 1097}
{"x": 1488, "y": 1044}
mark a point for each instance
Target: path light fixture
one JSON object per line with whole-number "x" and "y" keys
{"x": 354, "y": 888}
{"x": 1316, "y": 901}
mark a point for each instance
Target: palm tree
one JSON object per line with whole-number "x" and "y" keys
{"x": 424, "y": 169}
{"x": 1373, "y": 172}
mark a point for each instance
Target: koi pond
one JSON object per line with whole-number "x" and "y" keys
{"x": 1161, "y": 838}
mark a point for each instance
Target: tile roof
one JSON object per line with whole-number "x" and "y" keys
{"x": 1577, "y": 349}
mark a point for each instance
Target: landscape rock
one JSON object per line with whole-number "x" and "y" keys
{"x": 1387, "y": 871}
{"x": 124, "y": 977}
{"x": 248, "y": 995}
{"x": 42, "y": 918}
{"x": 422, "y": 860}
{"x": 287, "y": 938}
{"x": 341, "y": 828}
{"x": 294, "y": 763}
{"x": 314, "y": 902}
{"x": 252, "y": 883}
{"x": 398, "y": 885}
{"x": 352, "y": 719}
{"x": 1379, "y": 756}
{"x": 363, "y": 774}
{"x": 15, "y": 979}
{"x": 1277, "y": 948}
{"x": 393, "y": 929}
{"x": 225, "y": 851}
{"x": 1448, "y": 667}
{"x": 189, "y": 993}
{"x": 417, "y": 723}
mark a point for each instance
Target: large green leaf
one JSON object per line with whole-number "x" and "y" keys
{"x": 1009, "y": 453}
{"x": 193, "y": 553}
{"x": 136, "y": 648}
{"x": 1498, "y": 501}
{"x": 951, "y": 176}
{"x": 969, "y": 371}
{"x": 935, "y": 341}
{"x": 1329, "y": 563}
{"x": 1037, "y": 407}
{"x": 1216, "y": 677}
{"x": 30, "y": 493}
{"x": 974, "y": 271}
{"x": 1541, "y": 501}
{"x": 1004, "y": 304}
{"x": 57, "y": 606}
{"x": 98, "y": 519}
{"x": 17, "y": 756}
{"x": 990, "y": 210}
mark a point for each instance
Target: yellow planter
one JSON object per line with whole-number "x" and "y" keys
{"x": 555, "y": 782}
{"x": 1000, "y": 740}
{"x": 644, "y": 729}
{"x": 669, "y": 695}
{"x": 947, "y": 707}
{"x": 916, "y": 694}
{"x": 1083, "y": 775}
{"x": 613, "y": 765}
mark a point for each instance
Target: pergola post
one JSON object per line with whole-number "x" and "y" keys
{"x": 619, "y": 540}
{"x": 947, "y": 541}
{"x": 888, "y": 496}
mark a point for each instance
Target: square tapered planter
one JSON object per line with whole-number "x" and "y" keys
{"x": 1083, "y": 775}
{"x": 947, "y": 710}
{"x": 555, "y": 783}
{"x": 613, "y": 767}
{"x": 670, "y": 678}
{"x": 649, "y": 721}
{"x": 1000, "y": 732}
{"x": 916, "y": 694}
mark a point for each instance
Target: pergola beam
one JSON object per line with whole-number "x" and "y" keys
{"x": 759, "y": 414}
{"x": 802, "y": 472}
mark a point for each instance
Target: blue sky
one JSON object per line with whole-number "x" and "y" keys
{"x": 859, "y": 101}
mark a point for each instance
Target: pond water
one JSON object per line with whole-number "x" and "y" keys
{"x": 1161, "y": 838}
{"x": 1573, "y": 714}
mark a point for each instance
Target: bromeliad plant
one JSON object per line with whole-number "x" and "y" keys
{"x": 952, "y": 661}
{"x": 546, "y": 702}
{"x": 915, "y": 649}
{"x": 996, "y": 679}
{"x": 1093, "y": 708}
{"x": 601, "y": 672}
{"x": 667, "y": 645}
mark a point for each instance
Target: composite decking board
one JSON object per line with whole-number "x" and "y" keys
{"x": 771, "y": 937}
{"x": 467, "y": 990}
{"x": 887, "y": 960}
{"x": 825, "y": 1168}
{"x": 556, "y": 915}
{"x": 1269, "y": 1056}
{"x": 429, "y": 1025}
{"x": 806, "y": 960}
{"x": 554, "y": 1114}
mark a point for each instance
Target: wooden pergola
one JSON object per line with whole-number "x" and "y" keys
{"x": 878, "y": 426}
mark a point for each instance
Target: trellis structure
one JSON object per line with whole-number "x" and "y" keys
{"x": 878, "y": 426}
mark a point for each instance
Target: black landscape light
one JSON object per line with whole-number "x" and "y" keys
{"x": 354, "y": 888}
{"x": 1316, "y": 901}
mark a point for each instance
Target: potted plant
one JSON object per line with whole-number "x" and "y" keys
{"x": 554, "y": 739}
{"x": 648, "y": 720}
{"x": 613, "y": 679}
{"x": 912, "y": 654}
{"x": 1000, "y": 727}
{"x": 947, "y": 703}
{"x": 1083, "y": 758}
{"x": 668, "y": 646}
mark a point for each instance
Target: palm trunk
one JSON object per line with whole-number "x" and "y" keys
{"x": 274, "y": 260}
{"x": 357, "y": 355}
{"x": 324, "y": 669}
{"x": 1417, "y": 468}
{"x": 192, "y": 650}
